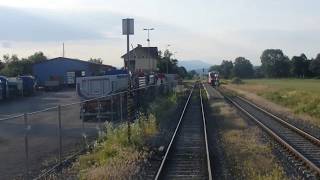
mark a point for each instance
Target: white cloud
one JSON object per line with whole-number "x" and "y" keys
{"x": 198, "y": 29}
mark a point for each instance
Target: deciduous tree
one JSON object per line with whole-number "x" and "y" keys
{"x": 275, "y": 63}
{"x": 226, "y": 69}
{"x": 315, "y": 65}
{"x": 242, "y": 68}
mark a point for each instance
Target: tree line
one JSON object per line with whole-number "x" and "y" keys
{"x": 13, "y": 66}
{"x": 274, "y": 64}
{"x": 168, "y": 64}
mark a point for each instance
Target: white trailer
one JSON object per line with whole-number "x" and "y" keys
{"x": 99, "y": 88}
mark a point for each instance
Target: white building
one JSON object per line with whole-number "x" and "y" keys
{"x": 142, "y": 59}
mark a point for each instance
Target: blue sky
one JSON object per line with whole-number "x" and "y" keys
{"x": 209, "y": 30}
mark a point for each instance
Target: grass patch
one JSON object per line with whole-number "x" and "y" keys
{"x": 298, "y": 100}
{"x": 247, "y": 156}
{"x": 302, "y": 96}
{"x": 236, "y": 80}
{"x": 251, "y": 159}
{"x": 114, "y": 157}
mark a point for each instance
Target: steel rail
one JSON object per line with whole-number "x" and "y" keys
{"x": 280, "y": 140}
{"x": 205, "y": 134}
{"x": 313, "y": 139}
{"x": 173, "y": 137}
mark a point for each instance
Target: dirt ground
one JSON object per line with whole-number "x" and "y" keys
{"x": 41, "y": 100}
{"x": 236, "y": 145}
{"x": 43, "y": 131}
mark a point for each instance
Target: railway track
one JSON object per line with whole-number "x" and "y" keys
{"x": 303, "y": 147}
{"x": 187, "y": 155}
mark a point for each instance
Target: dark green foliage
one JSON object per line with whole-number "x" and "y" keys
{"x": 215, "y": 68}
{"x": 236, "y": 80}
{"x": 167, "y": 64}
{"x": 314, "y": 66}
{"x": 258, "y": 73}
{"x": 96, "y": 60}
{"x": 182, "y": 72}
{"x": 13, "y": 66}
{"x": 275, "y": 63}
{"x": 243, "y": 68}
{"x": 1, "y": 65}
{"x": 37, "y": 57}
{"x": 226, "y": 69}
{"x": 300, "y": 66}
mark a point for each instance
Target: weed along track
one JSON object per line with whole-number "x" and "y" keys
{"x": 304, "y": 148}
{"x": 187, "y": 155}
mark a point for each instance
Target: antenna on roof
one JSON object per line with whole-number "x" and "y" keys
{"x": 62, "y": 49}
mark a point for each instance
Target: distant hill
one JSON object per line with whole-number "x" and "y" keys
{"x": 194, "y": 64}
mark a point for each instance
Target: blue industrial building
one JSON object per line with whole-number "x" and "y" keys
{"x": 65, "y": 70}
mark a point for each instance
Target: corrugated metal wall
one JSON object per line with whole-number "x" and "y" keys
{"x": 58, "y": 68}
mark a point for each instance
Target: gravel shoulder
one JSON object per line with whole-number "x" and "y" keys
{"x": 237, "y": 146}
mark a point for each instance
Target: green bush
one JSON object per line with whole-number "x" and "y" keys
{"x": 114, "y": 157}
{"x": 236, "y": 80}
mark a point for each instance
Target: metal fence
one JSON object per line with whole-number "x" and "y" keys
{"x": 36, "y": 143}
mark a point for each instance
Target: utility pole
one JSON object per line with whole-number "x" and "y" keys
{"x": 168, "y": 60}
{"x": 148, "y": 40}
{"x": 128, "y": 29}
{"x": 62, "y": 49}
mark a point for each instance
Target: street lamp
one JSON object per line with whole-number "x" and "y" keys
{"x": 168, "y": 45}
{"x": 148, "y": 29}
{"x": 148, "y": 40}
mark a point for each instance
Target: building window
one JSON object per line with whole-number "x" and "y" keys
{"x": 83, "y": 73}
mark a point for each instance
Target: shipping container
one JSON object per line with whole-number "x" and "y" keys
{"x": 15, "y": 86}
{"x": 29, "y": 85}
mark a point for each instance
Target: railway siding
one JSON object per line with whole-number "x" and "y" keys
{"x": 303, "y": 146}
{"x": 238, "y": 148}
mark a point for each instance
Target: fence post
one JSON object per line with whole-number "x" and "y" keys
{"x": 121, "y": 115}
{"x": 60, "y": 135}
{"x": 83, "y": 128}
{"x": 111, "y": 108}
{"x": 26, "y": 143}
{"x": 129, "y": 114}
{"x": 99, "y": 117}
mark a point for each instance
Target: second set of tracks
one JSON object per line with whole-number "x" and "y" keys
{"x": 302, "y": 146}
{"x": 187, "y": 155}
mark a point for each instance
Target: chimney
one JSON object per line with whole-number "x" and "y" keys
{"x": 139, "y": 45}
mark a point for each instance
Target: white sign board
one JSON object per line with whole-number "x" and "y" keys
{"x": 127, "y": 26}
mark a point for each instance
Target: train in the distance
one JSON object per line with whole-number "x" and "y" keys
{"x": 214, "y": 78}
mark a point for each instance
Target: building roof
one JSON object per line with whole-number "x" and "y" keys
{"x": 77, "y": 60}
{"x": 152, "y": 51}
